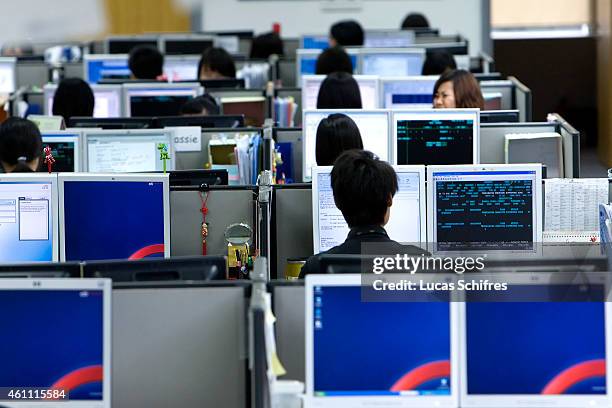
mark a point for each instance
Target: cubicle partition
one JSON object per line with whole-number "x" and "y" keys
{"x": 180, "y": 345}
{"x": 291, "y": 225}
{"x": 293, "y": 136}
{"x": 226, "y": 205}
{"x": 522, "y": 100}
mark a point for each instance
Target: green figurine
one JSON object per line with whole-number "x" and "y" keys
{"x": 163, "y": 154}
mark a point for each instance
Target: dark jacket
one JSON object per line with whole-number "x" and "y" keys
{"x": 353, "y": 246}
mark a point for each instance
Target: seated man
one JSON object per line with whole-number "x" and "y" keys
{"x": 363, "y": 188}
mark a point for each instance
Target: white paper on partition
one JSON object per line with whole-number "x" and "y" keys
{"x": 57, "y": 20}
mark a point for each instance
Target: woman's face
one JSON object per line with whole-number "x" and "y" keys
{"x": 206, "y": 73}
{"x": 445, "y": 96}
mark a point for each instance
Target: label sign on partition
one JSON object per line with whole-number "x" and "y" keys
{"x": 187, "y": 139}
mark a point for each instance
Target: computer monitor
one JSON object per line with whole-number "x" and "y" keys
{"x": 435, "y": 136}
{"x": 107, "y": 100}
{"x": 158, "y": 99}
{"x": 368, "y": 87}
{"x": 105, "y": 216}
{"x": 485, "y": 208}
{"x": 541, "y": 351}
{"x": 391, "y": 61}
{"x": 362, "y": 354}
{"x": 407, "y": 92}
{"x": 197, "y": 268}
{"x": 126, "y": 151}
{"x": 8, "y": 75}
{"x": 186, "y": 44}
{"x": 306, "y": 62}
{"x": 66, "y": 148}
{"x": 314, "y": 42}
{"x": 407, "y": 222}
{"x": 373, "y": 126}
{"x": 103, "y": 66}
{"x": 197, "y": 178}
{"x": 499, "y": 116}
{"x": 111, "y": 123}
{"x": 181, "y": 68}
{"x": 253, "y": 108}
{"x": 28, "y": 218}
{"x": 124, "y": 44}
{"x": 208, "y": 121}
{"x": 41, "y": 270}
{"x": 66, "y": 353}
{"x": 388, "y": 38}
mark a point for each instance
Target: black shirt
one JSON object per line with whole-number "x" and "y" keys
{"x": 353, "y": 246}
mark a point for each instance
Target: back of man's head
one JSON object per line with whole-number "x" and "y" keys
{"x": 146, "y": 62}
{"x": 363, "y": 187}
{"x": 347, "y": 33}
{"x": 415, "y": 20}
{"x": 333, "y": 59}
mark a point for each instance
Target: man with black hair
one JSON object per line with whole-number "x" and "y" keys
{"x": 202, "y": 105}
{"x": 333, "y": 59}
{"x": 216, "y": 63}
{"x": 415, "y": 21}
{"x": 347, "y": 33}
{"x": 363, "y": 188}
{"x": 146, "y": 63}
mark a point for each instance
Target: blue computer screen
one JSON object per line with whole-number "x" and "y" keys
{"x": 113, "y": 219}
{"x": 52, "y": 337}
{"x": 26, "y": 222}
{"x": 535, "y": 347}
{"x": 379, "y": 348}
{"x": 308, "y": 65}
{"x": 315, "y": 42}
{"x": 107, "y": 69}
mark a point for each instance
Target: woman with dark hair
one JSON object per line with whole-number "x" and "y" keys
{"x": 415, "y": 20}
{"x": 20, "y": 146}
{"x": 265, "y": 45}
{"x": 336, "y": 134}
{"x": 333, "y": 59}
{"x": 438, "y": 62}
{"x": 216, "y": 63}
{"x": 73, "y": 97}
{"x": 339, "y": 91}
{"x": 457, "y": 89}
{"x": 202, "y": 105}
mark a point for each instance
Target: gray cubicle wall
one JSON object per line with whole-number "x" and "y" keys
{"x": 291, "y": 225}
{"x": 286, "y": 71}
{"x": 492, "y": 141}
{"x": 504, "y": 87}
{"x": 198, "y": 159}
{"x": 31, "y": 73}
{"x": 293, "y": 136}
{"x": 226, "y": 205}
{"x": 288, "y": 299}
{"x": 522, "y": 100}
{"x": 181, "y": 345}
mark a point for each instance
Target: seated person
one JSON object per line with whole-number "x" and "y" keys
{"x": 339, "y": 91}
{"x": 457, "y": 89}
{"x": 333, "y": 59}
{"x": 438, "y": 62}
{"x": 146, "y": 63}
{"x": 265, "y": 45}
{"x": 415, "y": 21}
{"x": 20, "y": 146}
{"x": 203, "y": 105}
{"x": 336, "y": 134}
{"x": 347, "y": 33}
{"x": 73, "y": 98}
{"x": 216, "y": 63}
{"x": 363, "y": 189}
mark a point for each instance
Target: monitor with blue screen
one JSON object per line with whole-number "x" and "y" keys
{"x": 66, "y": 148}
{"x": 485, "y": 208}
{"x": 384, "y": 354}
{"x": 391, "y": 61}
{"x": 98, "y": 67}
{"x": 522, "y": 347}
{"x": 114, "y": 216}
{"x": 126, "y": 151}
{"x": 151, "y": 100}
{"x": 435, "y": 136}
{"x": 407, "y": 92}
{"x": 28, "y": 218}
{"x": 107, "y": 100}
{"x": 314, "y": 42}
{"x": 373, "y": 126}
{"x": 407, "y": 221}
{"x": 67, "y": 349}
